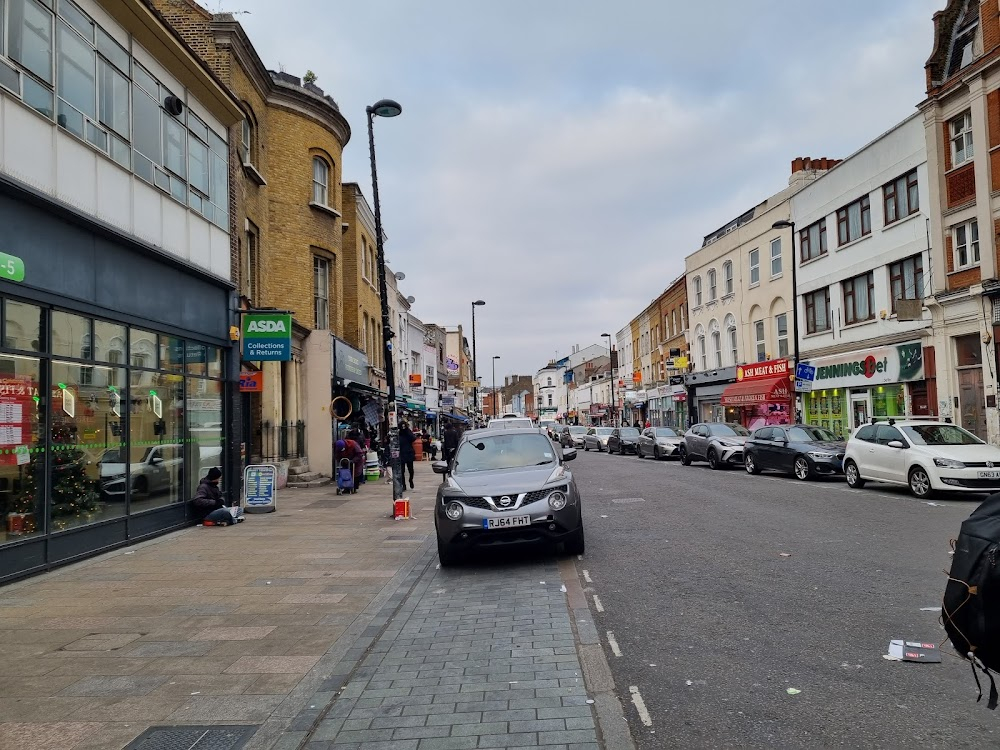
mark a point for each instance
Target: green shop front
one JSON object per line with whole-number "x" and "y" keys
{"x": 849, "y": 389}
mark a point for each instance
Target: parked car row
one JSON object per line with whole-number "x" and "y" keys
{"x": 926, "y": 455}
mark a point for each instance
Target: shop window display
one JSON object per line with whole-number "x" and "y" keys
{"x": 22, "y": 446}
{"x": 828, "y": 409}
{"x": 156, "y": 440}
{"x": 204, "y": 412}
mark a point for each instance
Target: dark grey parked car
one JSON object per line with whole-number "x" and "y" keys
{"x": 660, "y": 442}
{"x": 623, "y": 440}
{"x": 506, "y": 487}
{"x": 719, "y": 443}
{"x": 802, "y": 449}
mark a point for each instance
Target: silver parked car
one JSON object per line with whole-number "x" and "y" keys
{"x": 719, "y": 443}
{"x": 660, "y": 442}
{"x": 506, "y": 487}
{"x": 597, "y": 438}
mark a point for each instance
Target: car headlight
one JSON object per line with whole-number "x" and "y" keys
{"x": 557, "y": 500}
{"x": 454, "y": 511}
{"x": 728, "y": 443}
{"x": 948, "y": 463}
{"x": 820, "y": 454}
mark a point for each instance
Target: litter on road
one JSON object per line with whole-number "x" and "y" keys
{"x": 784, "y": 554}
{"x": 793, "y": 691}
{"x": 918, "y": 651}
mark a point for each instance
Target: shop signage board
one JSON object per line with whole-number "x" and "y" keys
{"x": 681, "y": 363}
{"x": 267, "y": 337}
{"x": 11, "y": 267}
{"x": 260, "y": 487}
{"x": 251, "y": 381}
{"x": 771, "y": 369}
{"x": 349, "y": 363}
{"x": 415, "y": 378}
{"x": 898, "y": 363}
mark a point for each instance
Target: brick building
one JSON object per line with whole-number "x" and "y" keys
{"x": 962, "y": 129}
{"x": 362, "y": 309}
{"x": 286, "y": 227}
{"x": 670, "y": 356}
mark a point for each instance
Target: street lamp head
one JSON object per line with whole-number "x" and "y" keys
{"x": 605, "y": 335}
{"x": 479, "y": 302}
{"x": 496, "y": 356}
{"x": 385, "y": 108}
{"x": 782, "y": 224}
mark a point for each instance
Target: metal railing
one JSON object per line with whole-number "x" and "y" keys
{"x": 283, "y": 441}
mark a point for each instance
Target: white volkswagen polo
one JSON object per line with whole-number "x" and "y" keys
{"x": 926, "y": 455}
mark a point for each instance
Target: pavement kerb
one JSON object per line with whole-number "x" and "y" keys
{"x": 612, "y": 728}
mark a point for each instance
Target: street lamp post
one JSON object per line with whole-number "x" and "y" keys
{"x": 495, "y": 358}
{"x": 611, "y": 365}
{"x": 385, "y": 108}
{"x": 795, "y": 300}
{"x": 475, "y": 372}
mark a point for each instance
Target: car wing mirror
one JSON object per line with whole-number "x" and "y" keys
{"x": 896, "y": 444}
{"x": 440, "y": 467}
{"x": 569, "y": 454}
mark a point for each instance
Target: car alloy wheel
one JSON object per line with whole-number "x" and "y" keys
{"x": 656, "y": 453}
{"x": 803, "y": 470}
{"x": 713, "y": 459}
{"x": 854, "y": 479}
{"x": 685, "y": 458}
{"x": 920, "y": 483}
{"x": 586, "y": 447}
{"x": 750, "y": 464}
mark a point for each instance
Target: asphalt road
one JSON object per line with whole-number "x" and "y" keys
{"x": 714, "y": 624}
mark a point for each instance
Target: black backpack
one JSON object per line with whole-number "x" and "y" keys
{"x": 971, "y": 607}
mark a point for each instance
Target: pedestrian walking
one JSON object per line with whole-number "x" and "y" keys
{"x": 407, "y": 455}
{"x": 450, "y": 444}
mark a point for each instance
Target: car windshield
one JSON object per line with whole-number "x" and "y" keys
{"x": 577, "y": 430}
{"x": 811, "y": 434}
{"x": 665, "y": 432}
{"x": 940, "y": 434}
{"x": 629, "y": 432}
{"x": 727, "y": 429}
{"x": 603, "y": 431}
{"x": 509, "y": 451}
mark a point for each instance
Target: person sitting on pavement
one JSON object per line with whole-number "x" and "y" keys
{"x": 208, "y": 504}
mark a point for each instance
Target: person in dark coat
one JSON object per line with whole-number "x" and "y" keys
{"x": 407, "y": 454}
{"x": 450, "y": 442}
{"x": 208, "y": 496}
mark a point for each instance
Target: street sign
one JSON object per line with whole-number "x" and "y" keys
{"x": 803, "y": 385}
{"x": 11, "y": 267}
{"x": 260, "y": 486}
{"x": 805, "y": 371}
{"x": 267, "y": 337}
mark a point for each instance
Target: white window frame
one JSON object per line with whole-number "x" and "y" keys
{"x": 727, "y": 278}
{"x": 776, "y": 243}
{"x": 321, "y": 182}
{"x": 754, "y": 261}
{"x": 960, "y": 138}
{"x": 965, "y": 239}
{"x": 733, "y": 341}
{"x": 713, "y": 287}
{"x": 781, "y": 339}
{"x": 696, "y": 283}
{"x": 761, "y": 342}
{"x": 702, "y": 352}
{"x": 321, "y": 293}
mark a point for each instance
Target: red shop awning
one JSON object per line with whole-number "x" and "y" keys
{"x": 753, "y": 392}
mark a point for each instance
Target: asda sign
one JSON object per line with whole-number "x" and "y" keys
{"x": 267, "y": 337}
{"x": 878, "y": 366}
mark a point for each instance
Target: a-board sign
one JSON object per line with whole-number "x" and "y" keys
{"x": 260, "y": 488}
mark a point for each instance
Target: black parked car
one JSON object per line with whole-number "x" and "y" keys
{"x": 802, "y": 449}
{"x": 623, "y": 440}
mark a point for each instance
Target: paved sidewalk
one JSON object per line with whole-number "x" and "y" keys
{"x": 208, "y": 626}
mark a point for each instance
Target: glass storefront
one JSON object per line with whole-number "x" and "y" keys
{"x": 841, "y": 410}
{"x": 100, "y": 422}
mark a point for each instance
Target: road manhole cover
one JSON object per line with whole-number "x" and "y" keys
{"x": 624, "y": 500}
{"x": 193, "y": 738}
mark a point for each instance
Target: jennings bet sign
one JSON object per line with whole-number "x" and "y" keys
{"x": 267, "y": 337}
{"x": 878, "y": 366}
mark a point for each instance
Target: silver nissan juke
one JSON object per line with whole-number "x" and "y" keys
{"x": 506, "y": 487}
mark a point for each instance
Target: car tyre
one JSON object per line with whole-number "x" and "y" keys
{"x": 713, "y": 460}
{"x": 920, "y": 483}
{"x": 685, "y": 458}
{"x": 140, "y": 487}
{"x": 802, "y": 469}
{"x": 586, "y": 447}
{"x": 446, "y": 556}
{"x": 854, "y": 480}
{"x": 656, "y": 453}
{"x": 750, "y": 464}
{"x": 576, "y": 544}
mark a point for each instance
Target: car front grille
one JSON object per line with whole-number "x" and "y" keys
{"x": 985, "y": 484}
{"x": 531, "y": 497}
{"x": 474, "y": 502}
{"x": 981, "y": 464}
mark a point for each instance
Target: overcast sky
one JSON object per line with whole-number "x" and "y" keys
{"x": 560, "y": 158}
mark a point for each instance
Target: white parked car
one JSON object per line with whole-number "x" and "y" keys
{"x": 926, "y": 455}
{"x": 522, "y": 423}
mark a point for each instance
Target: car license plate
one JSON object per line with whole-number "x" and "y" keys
{"x": 989, "y": 475}
{"x": 506, "y": 522}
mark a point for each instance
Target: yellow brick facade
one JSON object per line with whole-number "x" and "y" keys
{"x": 362, "y": 306}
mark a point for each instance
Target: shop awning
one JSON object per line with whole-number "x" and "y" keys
{"x": 753, "y": 392}
{"x": 457, "y": 417}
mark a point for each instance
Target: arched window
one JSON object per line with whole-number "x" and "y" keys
{"x": 699, "y": 335}
{"x": 727, "y": 278}
{"x": 712, "y": 286}
{"x": 713, "y": 330}
{"x": 731, "y": 339}
{"x": 696, "y": 283}
{"x": 246, "y": 141}
{"x": 321, "y": 181}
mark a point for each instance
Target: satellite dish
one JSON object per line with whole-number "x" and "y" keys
{"x": 411, "y": 299}
{"x": 399, "y": 275}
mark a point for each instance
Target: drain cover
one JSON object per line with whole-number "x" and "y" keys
{"x": 193, "y": 738}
